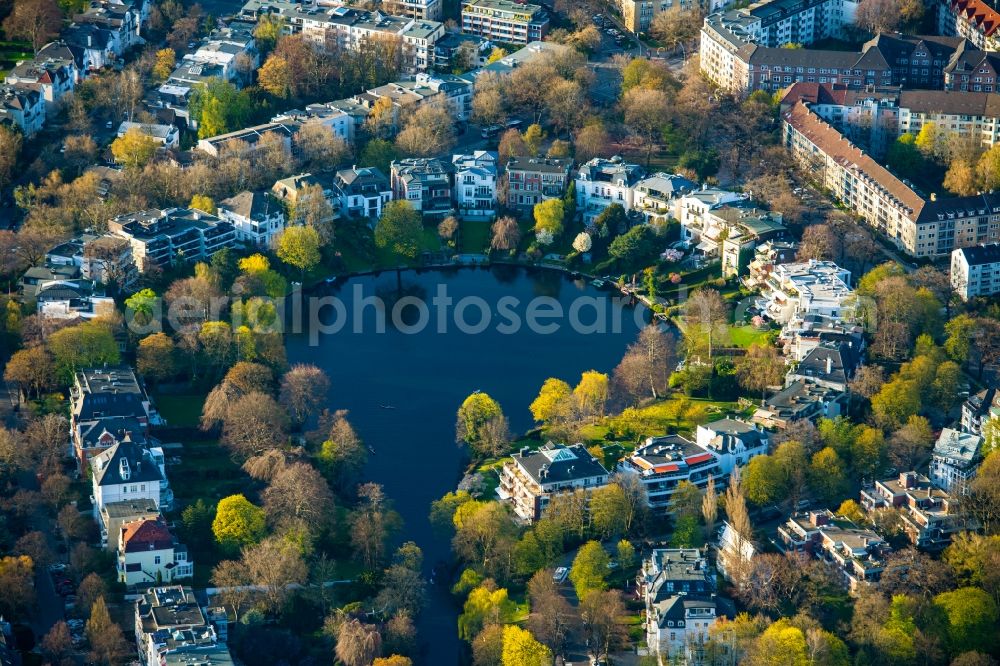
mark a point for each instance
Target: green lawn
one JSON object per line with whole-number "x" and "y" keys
{"x": 744, "y": 336}
{"x": 206, "y": 472}
{"x": 180, "y": 409}
{"x": 12, "y": 52}
{"x": 475, "y": 236}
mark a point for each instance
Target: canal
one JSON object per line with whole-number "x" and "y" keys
{"x": 404, "y": 384}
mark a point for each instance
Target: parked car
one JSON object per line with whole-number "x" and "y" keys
{"x": 560, "y": 574}
{"x": 490, "y": 131}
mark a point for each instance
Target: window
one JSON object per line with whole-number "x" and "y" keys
{"x": 156, "y": 559}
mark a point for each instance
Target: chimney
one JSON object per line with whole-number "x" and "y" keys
{"x": 829, "y": 364}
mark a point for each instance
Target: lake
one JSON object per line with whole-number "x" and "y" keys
{"x": 403, "y": 385}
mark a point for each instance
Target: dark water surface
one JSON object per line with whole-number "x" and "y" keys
{"x": 426, "y": 375}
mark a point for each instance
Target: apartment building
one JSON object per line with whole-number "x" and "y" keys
{"x": 917, "y": 226}
{"x": 975, "y": 20}
{"x": 857, "y": 555}
{"x": 955, "y": 460}
{"x": 72, "y": 299}
{"x": 638, "y": 15}
{"x": 424, "y": 182}
{"x": 426, "y": 10}
{"x": 530, "y": 479}
{"x": 532, "y": 180}
{"x": 738, "y": 54}
{"x": 801, "y": 399}
{"x": 363, "y": 191}
{"x": 979, "y": 409}
{"x": 975, "y": 271}
{"x": 171, "y": 629}
{"x": 929, "y": 515}
{"x": 504, "y": 21}
{"x": 603, "y": 182}
{"x": 804, "y": 288}
{"x": 161, "y": 237}
{"x": 657, "y": 194}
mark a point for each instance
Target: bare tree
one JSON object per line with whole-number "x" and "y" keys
{"x": 303, "y": 391}
{"x": 320, "y": 148}
{"x": 707, "y": 316}
{"x": 274, "y": 564}
{"x": 603, "y": 613}
{"x": 298, "y": 492}
{"x": 265, "y": 466}
{"x": 232, "y": 579}
{"x": 506, "y": 234}
{"x": 877, "y": 16}
{"x": 645, "y": 368}
{"x": 35, "y": 21}
{"x": 253, "y": 424}
{"x": 358, "y": 644}
{"x": 552, "y": 618}
{"x": 107, "y": 643}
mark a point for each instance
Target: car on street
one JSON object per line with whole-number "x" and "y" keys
{"x": 560, "y": 575}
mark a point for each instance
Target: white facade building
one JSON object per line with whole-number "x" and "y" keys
{"x": 601, "y": 183}
{"x": 975, "y": 271}
{"x": 476, "y": 185}
{"x": 809, "y": 288}
{"x": 257, "y": 217}
{"x": 955, "y": 460}
{"x": 149, "y": 554}
{"x": 530, "y": 479}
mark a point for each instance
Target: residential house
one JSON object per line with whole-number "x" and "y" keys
{"x": 23, "y": 106}
{"x": 857, "y": 554}
{"x": 829, "y": 365}
{"x": 72, "y": 299}
{"x": 979, "y": 409}
{"x": 803, "y": 334}
{"x": 98, "y": 434}
{"x": 929, "y": 515}
{"x": 167, "y": 136}
{"x": 116, "y": 514}
{"x": 692, "y": 209}
{"x": 678, "y": 588}
{"x": 801, "y": 399}
{"x": 424, "y": 182}
{"x": 656, "y": 195}
{"x": 364, "y": 191}
{"x": 109, "y": 391}
{"x": 427, "y": 10}
{"x": 257, "y": 217}
{"x": 149, "y": 554}
{"x": 530, "y": 479}
{"x": 767, "y": 255}
{"x": 449, "y": 48}
{"x": 171, "y": 629}
{"x": 53, "y": 77}
{"x": 121, "y": 21}
{"x": 734, "y": 441}
{"x": 807, "y": 288}
{"x": 536, "y": 51}
{"x": 975, "y": 271}
{"x": 734, "y": 552}
{"x": 476, "y": 185}
{"x": 129, "y": 472}
{"x": 920, "y": 227}
{"x": 340, "y": 123}
{"x": 108, "y": 260}
{"x": 532, "y": 180}
{"x": 161, "y": 237}
{"x": 955, "y": 460}
{"x": 504, "y": 21}
{"x": 95, "y": 46}
{"x": 601, "y": 183}
{"x": 741, "y": 229}
{"x": 246, "y": 140}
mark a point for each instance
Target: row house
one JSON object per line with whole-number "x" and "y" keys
{"x": 51, "y": 77}
{"x": 257, "y": 217}
{"x": 476, "y": 185}
{"x": 532, "y": 180}
{"x": 504, "y": 21}
{"x": 603, "y": 182}
{"x": 172, "y": 629}
{"x": 662, "y": 463}
{"x": 858, "y": 555}
{"x": 245, "y": 141}
{"x": 929, "y": 515}
{"x": 531, "y": 478}
{"x": 424, "y": 182}
{"x": 972, "y": 70}
{"x": 955, "y": 460}
{"x": 161, "y": 237}
{"x": 363, "y": 191}
{"x": 917, "y": 226}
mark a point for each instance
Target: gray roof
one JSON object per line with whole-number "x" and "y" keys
{"x": 555, "y": 463}
{"x": 113, "y": 391}
{"x": 672, "y": 570}
{"x": 981, "y": 254}
{"x": 539, "y": 164}
{"x": 251, "y": 205}
{"x": 127, "y": 458}
{"x": 119, "y": 427}
{"x": 843, "y": 361}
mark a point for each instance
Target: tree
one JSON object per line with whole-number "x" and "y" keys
{"x": 982, "y": 501}
{"x": 710, "y": 505}
{"x": 31, "y": 370}
{"x": 911, "y": 443}
{"x": 760, "y": 368}
{"x": 646, "y": 112}
{"x": 17, "y": 588}
{"x": 590, "y": 569}
{"x": 975, "y": 561}
{"x": 972, "y": 617}
{"x": 603, "y": 615}
{"x": 107, "y": 643}
{"x": 275, "y": 77}
{"x": 57, "y": 644}
{"x": 319, "y": 146}
{"x": 533, "y": 137}
{"x": 35, "y": 21}
{"x": 549, "y": 217}
{"x": 827, "y": 476}
{"x": 903, "y": 155}
{"x": 303, "y": 391}
{"x": 133, "y": 149}
{"x": 988, "y": 168}
{"x": 253, "y": 424}
{"x": 429, "y": 131}
{"x": 877, "y": 16}
{"x": 552, "y": 617}
{"x": 645, "y": 368}
{"x": 706, "y": 316}
{"x": 763, "y": 480}
{"x": 483, "y": 531}
{"x": 506, "y": 234}
{"x": 447, "y": 228}
{"x": 399, "y": 228}
{"x": 273, "y": 565}
{"x": 299, "y": 247}
{"x": 342, "y": 455}
{"x": 298, "y": 493}
{"x": 203, "y": 203}
{"x": 394, "y": 660}
{"x": 898, "y": 400}
{"x": 473, "y": 416}
{"x": 591, "y": 394}
{"x": 960, "y": 179}
{"x": 372, "y": 525}
{"x": 10, "y": 149}
{"x": 403, "y": 588}
{"x": 553, "y": 401}
{"x": 166, "y": 60}
{"x": 487, "y": 646}
{"x": 521, "y": 649}
{"x": 89, "y": 344}
{"x": 155, "y": 358}
{"x": 676, "y": 26}
{"x": 358, "y": 644}
{"x": 238, "y": 522}
{"x": 582, "y": 243}
{"x": 868, "y": 380}
{"x": 592, "y": 140}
